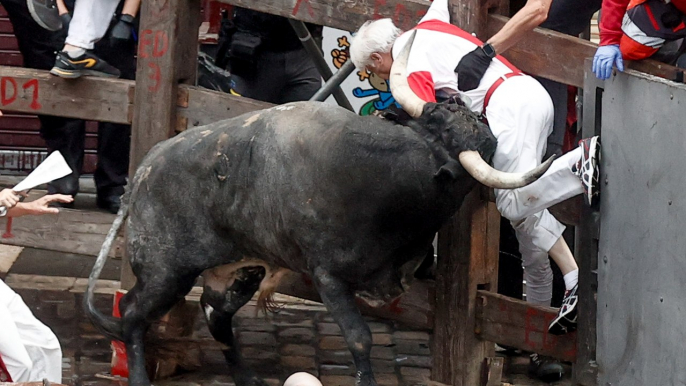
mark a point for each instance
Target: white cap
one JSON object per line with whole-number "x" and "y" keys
{"x": 302, "y": 379}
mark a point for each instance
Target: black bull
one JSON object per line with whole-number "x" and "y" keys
{"x": 352, "y": 201}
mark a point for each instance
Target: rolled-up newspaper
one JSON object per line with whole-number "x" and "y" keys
{"x": 50, "y": 169}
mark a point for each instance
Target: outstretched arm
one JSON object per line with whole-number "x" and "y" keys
{"x": 39, "y": 206}
{"x": 473, "y": 66}
{"x": 526, "y": 19}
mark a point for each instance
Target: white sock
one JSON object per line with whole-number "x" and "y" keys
{"x": 571, "y": 279}
{"x": 74, "y": 52}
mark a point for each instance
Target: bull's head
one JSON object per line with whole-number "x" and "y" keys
{"x": 459, "y": 128}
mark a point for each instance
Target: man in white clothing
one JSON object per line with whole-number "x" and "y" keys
{"x": 29, "y": 350}
{"x": 520, "y": 114}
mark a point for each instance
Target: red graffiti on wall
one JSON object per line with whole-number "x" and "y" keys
{"x": 9, "y": 91}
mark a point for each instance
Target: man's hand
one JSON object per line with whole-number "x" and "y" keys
{"x": 121, "y": 32}
{"x": 471, "y": 69}
{"x": 40, "y": 206}
{"x": 603, "y": 60}
{"x": 9, "y": 198}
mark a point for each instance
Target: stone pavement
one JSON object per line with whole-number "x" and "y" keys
{"x": 300, "y": 337}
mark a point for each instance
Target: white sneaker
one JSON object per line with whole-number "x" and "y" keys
{"x": 588, "y": 169}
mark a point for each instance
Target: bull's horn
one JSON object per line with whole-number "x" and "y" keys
{"x": 483, "y": 172}
{"x": 400, "y": 88}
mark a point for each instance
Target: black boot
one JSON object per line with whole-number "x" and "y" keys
{"x": 545, "y": 368}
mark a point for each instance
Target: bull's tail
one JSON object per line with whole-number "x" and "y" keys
{"x": 109, "y": 325}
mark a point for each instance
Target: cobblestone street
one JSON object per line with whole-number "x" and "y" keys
{"x": 300, "y": 337}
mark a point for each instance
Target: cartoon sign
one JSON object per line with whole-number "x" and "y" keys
{"x": 365, "y": 91}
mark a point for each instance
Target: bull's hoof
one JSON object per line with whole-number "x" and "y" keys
{"x": 365, "y": 380}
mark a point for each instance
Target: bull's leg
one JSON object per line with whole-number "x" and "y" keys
{"x": 339, "y": 299}
{"x": 151, "y": 298}
{"x": 219, "y": 308}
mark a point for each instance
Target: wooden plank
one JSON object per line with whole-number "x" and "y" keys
{"x": 71, "y": 231}
{"x": 493, "y": 368}
{"x": 414, "y": 308}
{"x": 586, "y": 252}
{"x": 468, "y": 259}
{"x": 208, "y": 106}
{"x": 541, "y": 52}
{"x": 518, "y": 324}
{"x": 167, "y": 56}
{"x": 38, "y": 92}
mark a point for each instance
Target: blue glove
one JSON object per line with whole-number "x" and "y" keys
{"x": 603, "y": 60}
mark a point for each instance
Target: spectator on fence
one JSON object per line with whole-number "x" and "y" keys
{"x": 518, "y": 118}
{"x": 266, "y": 59}
{"x": 91, "y": 20}
{"x": 639, "y": 29}
{"x": 29, "y": 350}
{"x": 38, "y": 47}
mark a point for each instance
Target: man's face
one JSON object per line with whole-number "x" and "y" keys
{"x": 382, "y": 62}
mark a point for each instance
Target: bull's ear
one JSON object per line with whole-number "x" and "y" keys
{"x": 450, "y": 169}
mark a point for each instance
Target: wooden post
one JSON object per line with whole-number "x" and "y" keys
{"x": 587, "y": 234}
{"x": 167, "y": 56}
{"x": 468, "y": 261}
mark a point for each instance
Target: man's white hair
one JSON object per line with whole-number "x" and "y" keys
{"x": 373, "y": 36}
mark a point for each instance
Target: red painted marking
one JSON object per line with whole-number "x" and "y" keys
{"x": 144, "y": 41}
{"x": 528, "y": 328}
{"x": 394, "y": 306}
{"x": 161, "y": 44}
{"x": 155, "y": 75}
{"x": 377, "y": 5}
{"x": 297, "y": 7}
{"x": 3, "y": 90}
{"x": 34, "y": 97}
{"x": 8, "y": 229}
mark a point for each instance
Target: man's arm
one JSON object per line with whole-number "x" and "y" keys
{"x": 473, "y": 66}
{"x": 609, "y": 54}
{"x": 39, "y": 206}
{"x": 526, "y": 19}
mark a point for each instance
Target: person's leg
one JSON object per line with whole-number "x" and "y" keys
{"x": 30, "y": 350}
{"x": 68, "y": 137}
{"x": 521, "y": 126}
{"x": 113, "y": 164}
{"x": 262, "y": 80}
{"x": 302, "y": 77}
{"x": 89, "y": 24}
{"x": 114, "y": 140}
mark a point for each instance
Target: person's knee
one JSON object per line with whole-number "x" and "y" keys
{"x": 507, "y": 206}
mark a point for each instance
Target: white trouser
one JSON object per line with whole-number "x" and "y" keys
{"x": 90, "y": 22}
{"x": 520, "y": 114}
{"x": 29, "y": 349}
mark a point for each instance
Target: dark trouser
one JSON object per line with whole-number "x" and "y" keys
{"x": 570, "y": 17}
{"x": 38, "y": 47}
{"x": 277, "y": 77}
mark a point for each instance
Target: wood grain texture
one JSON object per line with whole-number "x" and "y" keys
{"x": 71, "y": 231}
{"x": 468, "y": 260}
{"x": 515, "y": 323}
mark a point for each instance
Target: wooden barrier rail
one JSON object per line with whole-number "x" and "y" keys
{"x": 541, "y": 52}
{"x": 109, "y": 100}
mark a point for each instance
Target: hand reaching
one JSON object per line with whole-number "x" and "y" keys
{"x": 41, "y": 205}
